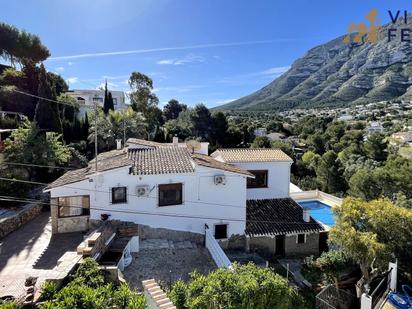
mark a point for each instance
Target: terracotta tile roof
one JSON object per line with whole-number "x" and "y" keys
{"x": 271, "y": 217}
{"x": 207, "y": 161}
{"x": 144, "y": 142}
{"x": 166, "y": 160}
{"x": 232, "y": 155}
{"x": 106, "y": 161}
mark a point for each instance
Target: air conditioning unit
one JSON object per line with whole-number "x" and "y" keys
{"x": 220, "y": 180}
{"x": 142, "y": 191}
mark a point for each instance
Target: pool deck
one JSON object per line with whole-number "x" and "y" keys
{"x": 317, "y": 195}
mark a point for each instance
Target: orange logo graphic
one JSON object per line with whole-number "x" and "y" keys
{"x": 370, "y": 33}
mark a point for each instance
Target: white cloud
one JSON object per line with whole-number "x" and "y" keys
{"x": 276, "y": 70}
{"x": 151, "y": 50}
{"x": 189, "y": 58}
{"x": 225, "y": 101}
{"x": 110, "y": 86}
{"x": 70, "y": 63}
{"x": 177, "y": 89}
{"x": 254, "y": 77}
{"x": 73, "y": 80}
{"x": 59, "y": 69}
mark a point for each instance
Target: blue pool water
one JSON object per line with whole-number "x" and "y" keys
{"x": 319, "y": 211}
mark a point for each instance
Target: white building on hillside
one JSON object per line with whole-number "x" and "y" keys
{"x": 87, "y": 98}
{"x": 175, "y": 186}
{"x": 375, "y": 126}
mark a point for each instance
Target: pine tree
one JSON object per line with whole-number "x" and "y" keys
{"x": 47, "y": 112}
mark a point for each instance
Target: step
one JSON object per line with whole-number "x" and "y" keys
{"x": 166, "y": 305}
{"x": 93, "y": 238}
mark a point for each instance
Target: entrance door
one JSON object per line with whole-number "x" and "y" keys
{"x": 323, "y": 242}
{"x": 280, "y": 245}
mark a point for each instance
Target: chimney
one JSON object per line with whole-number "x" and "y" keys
{"x": 118, "y": 144}
{"x": 175, "y": 141}
{"x": 306, "y": 215}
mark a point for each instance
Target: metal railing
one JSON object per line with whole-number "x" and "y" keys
{"x": 215, "y": 250}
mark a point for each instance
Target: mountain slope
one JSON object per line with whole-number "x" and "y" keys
{"x": 339, "y": 74}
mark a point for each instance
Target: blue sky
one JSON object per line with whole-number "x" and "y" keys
{"x": 195, "y": 51}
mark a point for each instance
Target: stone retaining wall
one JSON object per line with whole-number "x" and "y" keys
{"x": 15, "y": 221}
{"x": 147, "y": 232}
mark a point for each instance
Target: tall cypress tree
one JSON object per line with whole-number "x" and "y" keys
{"x": 85, "y": 127}
{"x": 47, "y": 112}
{"x": 110, "y": 104}
{"x": 106, "y": 99}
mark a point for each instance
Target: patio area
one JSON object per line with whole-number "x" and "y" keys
{"x": 167, "y": 261}
{"x": 32, "y": 251}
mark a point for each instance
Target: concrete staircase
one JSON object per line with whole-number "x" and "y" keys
{"x": 155, "y": 296}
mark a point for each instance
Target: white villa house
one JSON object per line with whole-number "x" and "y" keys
{"x": 177, "y": 186}
{"x": 87, "y": 98}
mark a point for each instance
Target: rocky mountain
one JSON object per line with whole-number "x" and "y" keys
{"x": 340, "y": 74}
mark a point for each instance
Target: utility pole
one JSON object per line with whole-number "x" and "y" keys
{"x": 95, "y": 99}
{"x": 124, "y": 131}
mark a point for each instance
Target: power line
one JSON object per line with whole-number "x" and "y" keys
{"x": 108, "y": 192}
{"x": 46, "y": 99}
{"x": 127, "y": 194}
{"x": 38, "y": 165}
{"x": 13, "y": 199}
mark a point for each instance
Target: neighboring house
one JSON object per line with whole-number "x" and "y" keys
{"x": 271, "y": 168}
{"x": 345, "y": 118}
{"x": 403, "y": 137}
{"x": 375, "y": 126}
{"x": 87, "y": 98}
{"x": 260, "y": 132}
{"x": 234, "y": 191}
{"x": 193, "y": 146}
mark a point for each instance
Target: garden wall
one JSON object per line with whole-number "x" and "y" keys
{"x": 11, "y": 223}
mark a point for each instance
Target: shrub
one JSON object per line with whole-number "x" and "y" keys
{"x": 88, "y": 289}
{"x": 48, "y": 290}
{"x": 9, "y": 305}
{"x": 246, "y": 286}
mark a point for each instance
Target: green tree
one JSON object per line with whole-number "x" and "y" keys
{"x": 144, "y": 101}
{"x": 376, "y": 147}
{"x": 202, "y": 121}
{"x": 17, "y": 45}
{"x": 47, "y": 112}
{"x": 26, "y": 145}
{"x": 244, "y": 287}
{"x": 332, "y": 264}
{"x": 219, "y": 129}
{"x": 261, "y": 142}
{"x": 116, "y": 125}
{"x": 369, "y": 232}
{"x": 172, "y": 109}
{"x": 108, "y": 100}
{"x": 328, "y": 173}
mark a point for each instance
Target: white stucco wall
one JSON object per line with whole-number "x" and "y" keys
{"x": 209, "y": 203}
{"x": 278, "y": 179}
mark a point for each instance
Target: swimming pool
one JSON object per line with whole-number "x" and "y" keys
{"x": 319, "y": 211}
